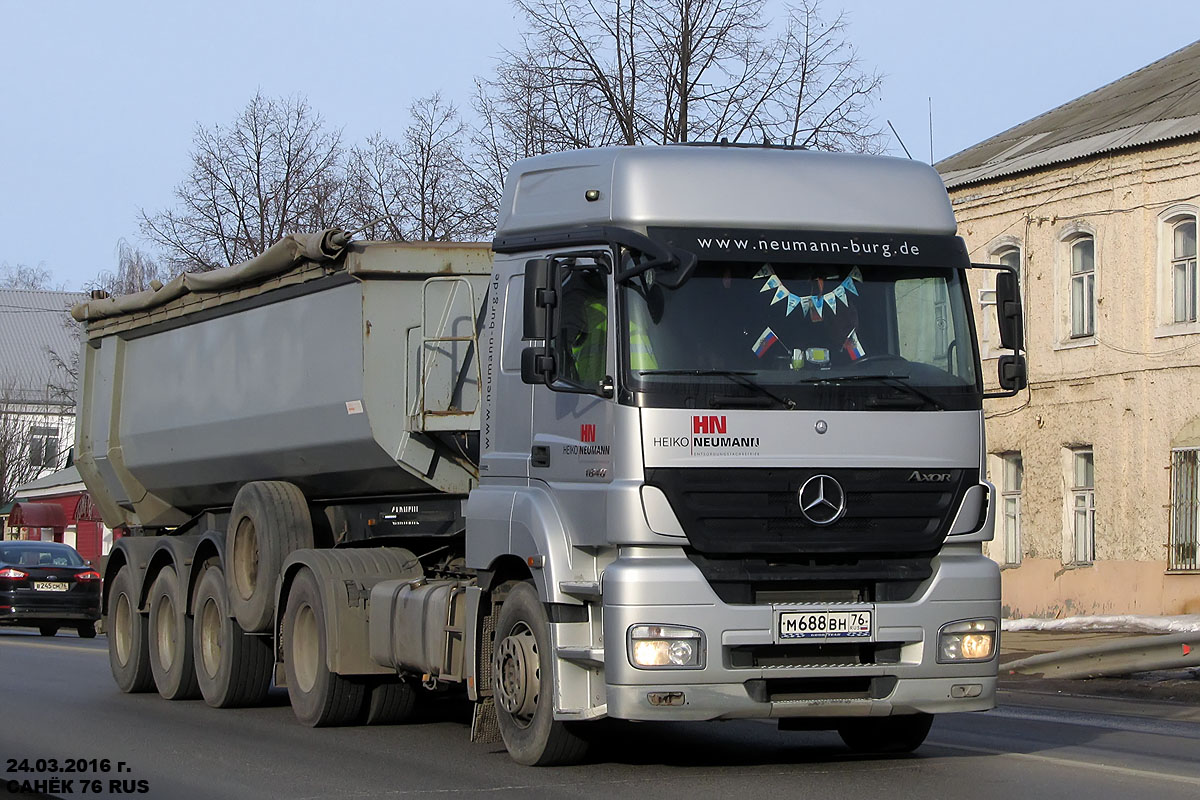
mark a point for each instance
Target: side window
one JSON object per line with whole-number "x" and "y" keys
{"x": 1183, "y": 269}
{"x": 920, "y": 341}
{"x": 1083, "y": 287}
{"x": 582, "y": 346}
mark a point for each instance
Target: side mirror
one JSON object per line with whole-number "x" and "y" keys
{"x": 537, "y": 365}
{"x": 538, "y": 297}
{"x": 1013, "y": 376}
{"x": 1008, "y": 311}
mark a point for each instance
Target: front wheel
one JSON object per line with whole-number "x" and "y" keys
{"x": 900, "y": 734}
{"x": 523, "y": 678}
{"x": 48, "y": 630}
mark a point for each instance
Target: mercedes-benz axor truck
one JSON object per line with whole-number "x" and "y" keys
{"x": 699, "y": 437}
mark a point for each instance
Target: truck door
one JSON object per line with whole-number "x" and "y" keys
{"x": 573, "y": 418}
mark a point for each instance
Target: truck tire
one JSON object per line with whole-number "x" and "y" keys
{"x": 899, "y": 734}
{"x": 233, "y": 668}
{"x": 170, "y": 639}
{"x": 389, "y": 701}
{"x": 320, "y": 698}
{"x": 523, "y": 683}
{"x": 128, "y": 646}
{"x": 269, "y": 520}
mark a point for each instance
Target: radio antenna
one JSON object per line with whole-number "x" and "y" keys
{"x": 898, "y": 139}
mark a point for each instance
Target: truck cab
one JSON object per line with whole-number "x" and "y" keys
{"x": 734, "y": 420}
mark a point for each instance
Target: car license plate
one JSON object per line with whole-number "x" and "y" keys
{"x": 51, "y": 586}
{"x": 825, "y": 624}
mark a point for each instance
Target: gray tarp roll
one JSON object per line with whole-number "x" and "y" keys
{"x": 278, "y": 258}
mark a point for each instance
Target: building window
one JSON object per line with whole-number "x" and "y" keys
{"x": 1083, "y": 507}
{"x": 43, "y": 447}
{"x": 989, "y": 338}
{"x": 1083, "y": 287}
{"x": 1010, "y": 504}
{"x": 1182, "y": 549}
{"x": 1183, "y": 269}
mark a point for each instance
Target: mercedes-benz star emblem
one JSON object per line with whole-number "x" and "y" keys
{"x": 822, "y": 500}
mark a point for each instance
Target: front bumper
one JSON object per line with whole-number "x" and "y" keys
{"x": 664, "y": 589}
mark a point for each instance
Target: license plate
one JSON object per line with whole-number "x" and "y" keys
{"x": 51, "y": 586}
{"x": 825, "y": 624}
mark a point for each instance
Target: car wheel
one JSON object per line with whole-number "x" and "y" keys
{"x": 170, "y": 629}
{"x": 87, "y": 630}
{"x": 128, "y": 649}
{"x": 320, "y": 698}
{"x": 233, "y": 668}
{"x": 268, "y": 521}
{"x": 48, "y": 630}
{"x": 523, "y": 682}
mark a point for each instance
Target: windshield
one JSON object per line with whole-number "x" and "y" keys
{"x": 817, "y": 336}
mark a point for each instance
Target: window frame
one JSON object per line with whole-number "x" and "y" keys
{"x": 1010, "y": 496}
{"x": 1081, "y": 497}
{"x": 39, "y": 437}
{"x": 1185, "y": 469}
{"x": 1085, "y": 278}
{"x": 1166, "y": 261}
{"x": 1068, "y": 237}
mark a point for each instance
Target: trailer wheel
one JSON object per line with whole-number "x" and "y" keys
{"x": 899, "y": 734}
{"x": 389, "y": 701}
{"x": 128, "y": 648}
{"x": 320, "y": 698}
{"x": 233, "y": 668}
{"x": 170, "y": 639}
{"x": 523, "y": 682}
{"x": 269, "y": 520}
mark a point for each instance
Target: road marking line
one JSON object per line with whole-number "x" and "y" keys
{"x": 46, "y": 646}
{"x": 1068, "y": 762}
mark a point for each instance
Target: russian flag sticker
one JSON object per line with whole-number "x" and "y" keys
{"x": 764, "y": 342}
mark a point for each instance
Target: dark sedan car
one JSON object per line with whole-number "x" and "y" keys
{"x": 47, "y": 585}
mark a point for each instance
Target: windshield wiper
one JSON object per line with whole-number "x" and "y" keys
{"x": 737, "y": 376}
{"x": 895, "y": 381}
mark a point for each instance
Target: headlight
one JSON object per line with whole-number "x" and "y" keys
{"x": 969, "y": 640}
{"x": 665, "y": 646}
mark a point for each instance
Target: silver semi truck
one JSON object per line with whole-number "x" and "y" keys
{"x": 699, "y": 437}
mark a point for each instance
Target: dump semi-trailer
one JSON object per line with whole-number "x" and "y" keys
{"x": 700, "y": 437}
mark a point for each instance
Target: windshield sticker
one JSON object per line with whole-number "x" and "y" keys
{"x": 814, "y": 304}
{"x": 764, "y": 342}
{"x": 852, "y": 346}
{"x": 827, "y": 247}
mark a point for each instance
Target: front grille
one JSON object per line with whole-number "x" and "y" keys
{"x": 728, "y": 512}
{"x": 747, "y": 536}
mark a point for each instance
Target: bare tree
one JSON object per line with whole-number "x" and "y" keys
{"x": 274, "y": 171}
{"x": 136, "y": 271}
{"x": 29, "y": 442}
{"x": 421, "y": 187}
{"x": 593, "y": 72}
{"x": 23, "y": 276}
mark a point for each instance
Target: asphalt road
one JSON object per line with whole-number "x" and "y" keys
{"x": 58, "y": 702}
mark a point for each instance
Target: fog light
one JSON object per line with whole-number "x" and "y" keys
{"x": 970, "y": 640}
{"x": 665, "y": 646}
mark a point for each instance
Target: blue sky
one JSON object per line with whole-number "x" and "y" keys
{"x": 100, "y": 98}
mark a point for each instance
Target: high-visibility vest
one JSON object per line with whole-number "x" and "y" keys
{"x": 589, "y": 350}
